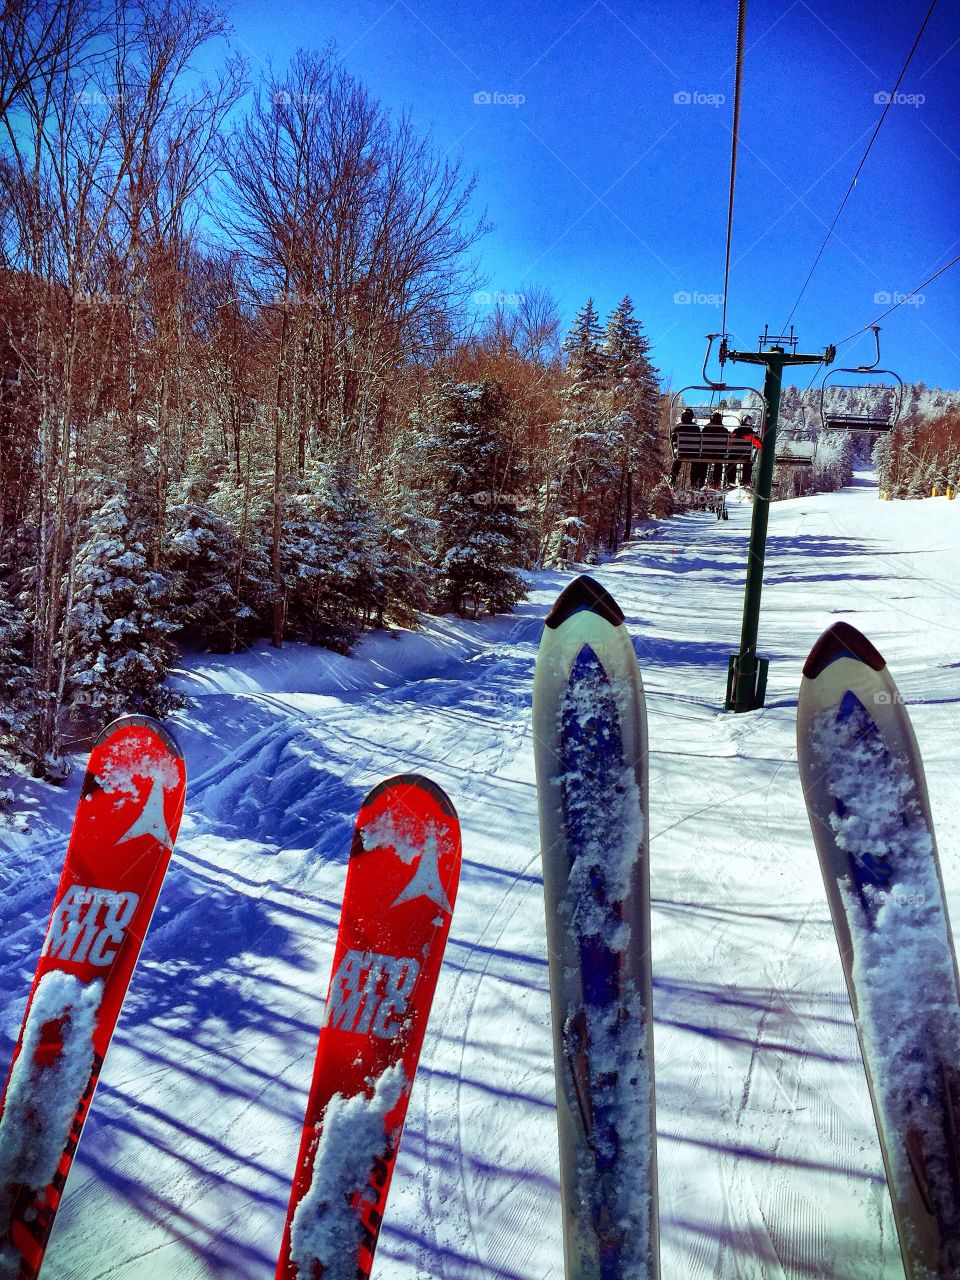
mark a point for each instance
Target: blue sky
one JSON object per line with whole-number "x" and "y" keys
{"x": 600, "y": 182}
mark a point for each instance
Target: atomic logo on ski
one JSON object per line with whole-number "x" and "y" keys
{"x": 426, "y": 883}
{"x": 89, "y": 925}
{"x": 370, "y": 993}
{"x": 151, "y": 821}
{"x": 412, "y": 840}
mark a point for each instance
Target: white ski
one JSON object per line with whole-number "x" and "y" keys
{"x": 867, "y": 800}
{"x": 590, "y": 735}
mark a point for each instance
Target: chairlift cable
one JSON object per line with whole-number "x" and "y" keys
{"x": 738, "y": 86}
{"x": 891, "y": 98}
{"x": 818, "y": 371}
{"x": 906, "y": 298}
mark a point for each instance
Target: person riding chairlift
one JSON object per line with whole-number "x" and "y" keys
{"x": 686, "y": 420}
{"x": 742, "y": 472}
{"x": 716, "y": 420}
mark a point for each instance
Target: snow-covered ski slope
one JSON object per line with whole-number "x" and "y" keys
{"x": 769, "y": 1161}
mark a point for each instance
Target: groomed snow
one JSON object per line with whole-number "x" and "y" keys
{"x": 768, "y": 1158}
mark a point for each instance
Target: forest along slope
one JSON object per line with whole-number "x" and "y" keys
{"x": 769, "y": 1163}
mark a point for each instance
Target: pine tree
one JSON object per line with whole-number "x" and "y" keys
{"x": 636, "y": 400}
{"x": 121, "y": 635}
{"x": 883, "y": 458}
{"x": 202, "y": 555}
{"x": 332, "y": 557}
{"x": 238, "y": 504}
{"x": 833, "y": 465}
{"x": 917, "y": 482}
{"x": 315, "y": 606}
{"x": 15, "y": 684}
{"x": 587, "y": 445}
{"x": 586, "y": 360}
{"x": 407, "y": 574}
{"x": 662, "y": 503}
{"x": 356, "y": 538}
{"x": 474, "y": 499}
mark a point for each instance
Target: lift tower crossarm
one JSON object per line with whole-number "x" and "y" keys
{"x": 747, "y": 674}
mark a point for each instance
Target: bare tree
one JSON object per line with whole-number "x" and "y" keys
{"x": 76, "y": 167}
{"x": 356, "y": 228}
{"x": 172, "y": 144}
{"x": 40, "y": 39}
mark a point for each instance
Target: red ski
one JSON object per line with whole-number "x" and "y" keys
{"x": 126, "y": 823}
{"x": 401, "y": 887}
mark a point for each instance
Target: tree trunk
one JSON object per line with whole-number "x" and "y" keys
{"x": 276, "y": 638}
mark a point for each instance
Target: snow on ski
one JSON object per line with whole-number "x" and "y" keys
{"x": 127, "y": 820}
{"x": 398, "y": 902}
{"x": 590, "y": 743}
{"x": 866, "y": 796}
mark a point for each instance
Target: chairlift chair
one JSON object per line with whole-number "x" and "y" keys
{"x": 794, "y": 449}
{"x": 719, "y": 433}
{"x": 795, "y": 453}
{"x": 885, "y": 398}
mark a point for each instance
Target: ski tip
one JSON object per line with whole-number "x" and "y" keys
{"x": 841, "y": 641}
{"x": 584, "y": 593}
{"x": 140, "y": 722}
{"x": 421, "y": 783}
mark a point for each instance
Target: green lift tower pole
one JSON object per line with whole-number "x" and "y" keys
{"x": 747, "y": 673}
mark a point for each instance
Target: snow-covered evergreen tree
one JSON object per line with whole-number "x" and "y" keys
{"x": 583, "y": 346}
{"x": 588, "y": 448}
{"x": 240, "y": 506}
{"x": 203, "y": 556}
{"x": 833, "y": 461}
{"x": 331, "y": 553}
{"x": 408, "y": 574}
{"x": 883, "y": 460}
{"x": 636, "y": 401}
{"x": 662, "y": 503}
{"x": 356, "y": 537}
{"x": 120, "y": 628}
{"x": 316, "y": 609}
{"x": 918, "y": 484}
{"x": 15, "y": 684}
{"x": 474, "y": 499}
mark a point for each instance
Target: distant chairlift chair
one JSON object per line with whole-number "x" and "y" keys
{"x": 795, "y": 453}
{"x": 884, "y": 400}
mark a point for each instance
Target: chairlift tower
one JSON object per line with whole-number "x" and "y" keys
{"x": 747, "y": 673}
